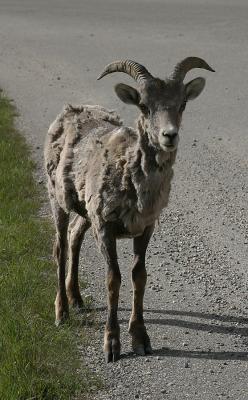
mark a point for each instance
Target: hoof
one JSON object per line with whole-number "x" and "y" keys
{"x": 61, "y": 320}
{"x": 58, "y": 322}
{"x": 61, "y": 309}
{"x": 112, "y": 347}
{"x": 140, "y": 340}
{"x": 77, "y": 304}
{"x": 139, "y": 350}
{"x": 148, "y": 349}
{"x": 142, "y": 350}
{"x": 112, "y": 357}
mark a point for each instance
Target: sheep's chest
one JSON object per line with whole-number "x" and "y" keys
{"x": 152, "y": 195}
{"x": 131, "y": 188}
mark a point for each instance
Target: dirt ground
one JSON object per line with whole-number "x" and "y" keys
{"x": 196, "y": 299}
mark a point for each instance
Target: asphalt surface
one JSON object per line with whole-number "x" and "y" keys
{"x": 196, "y": 300}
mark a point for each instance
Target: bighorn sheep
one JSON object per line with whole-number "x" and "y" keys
{"x": 117, "y": 180}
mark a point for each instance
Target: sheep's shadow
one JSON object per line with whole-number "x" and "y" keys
{"x": 197, "y": 326}
{"x": 201, "y": 354}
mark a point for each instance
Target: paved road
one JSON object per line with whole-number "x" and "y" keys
{"x": 51, "y": 52}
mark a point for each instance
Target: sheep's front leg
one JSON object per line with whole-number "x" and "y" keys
{"x": 140, "y": 339}
{"x": 113, "y": 282}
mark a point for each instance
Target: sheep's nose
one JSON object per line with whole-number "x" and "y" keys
{"x": 170, "y": 134}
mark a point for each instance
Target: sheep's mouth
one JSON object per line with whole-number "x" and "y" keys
{"x": 169, "y": 147}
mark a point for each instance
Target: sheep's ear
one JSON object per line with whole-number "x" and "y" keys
{"x": 194, "y": 88}
{"x": 127, "y": 94}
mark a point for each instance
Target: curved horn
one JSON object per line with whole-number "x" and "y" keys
{"x": 132, "y": 68}
{"x": 186, "y": 65}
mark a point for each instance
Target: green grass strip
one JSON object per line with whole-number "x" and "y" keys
{"x": 37, "y": 360}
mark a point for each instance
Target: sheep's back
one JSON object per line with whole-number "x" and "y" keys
{"x": 71, "y": 141}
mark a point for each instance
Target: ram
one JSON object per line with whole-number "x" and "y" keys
{"x": 117, "y": 180}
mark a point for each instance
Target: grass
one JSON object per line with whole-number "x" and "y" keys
{"x": 37, "y": 360}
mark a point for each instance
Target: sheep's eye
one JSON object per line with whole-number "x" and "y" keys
{"x": 183, "y": 105}
{"x": 144, "y": 109}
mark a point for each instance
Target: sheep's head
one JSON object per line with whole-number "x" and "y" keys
{"x": 161, "y": 102}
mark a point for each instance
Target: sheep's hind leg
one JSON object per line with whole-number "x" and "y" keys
{"x": 140, "y": 339}
{"x": 107, "y": 243}
{"x": 61, "y": 220}
{"x": 77, "y": 228}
